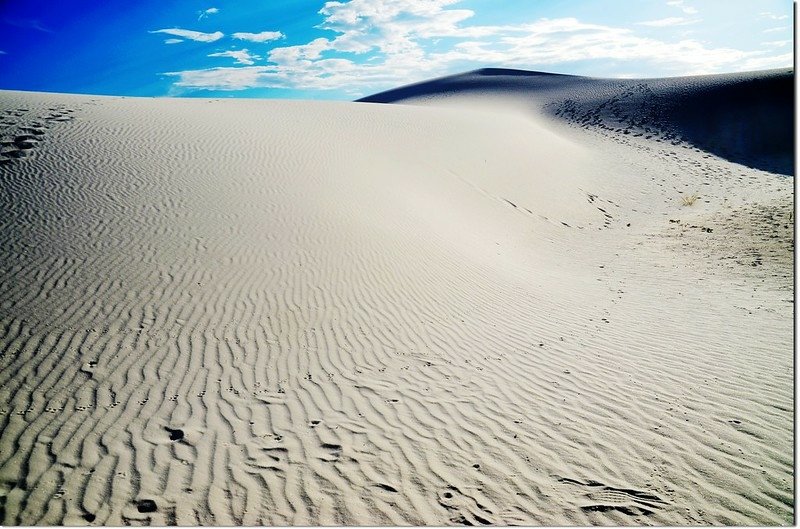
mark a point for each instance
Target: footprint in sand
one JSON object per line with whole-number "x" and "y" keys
{"x": 146, "y": 506}
{"x": 89, "y": 367}
{"x": 598, "y": 497}
{"x": 175, "y": 434}
{"x": 465, "y": 509}
{"x": 333, "y": 452}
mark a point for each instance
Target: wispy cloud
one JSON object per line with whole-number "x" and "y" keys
{"x": 775, "y": 30}
{"x": 772, "y": 16}
{"x": 377, "y": 44}
{"x": 777, "y": 43}
{"x": 206, "y": 12}
{"x": 761, "y": 63}
{"x": 229, "y": 78}
{"x": 173, "y": 41}
{"x": 669, "y": 22}
{"x": 198, "y": 36}
{"x": 264, "y": 36}
{"x": 27, "y": 23}
{"x": 240, "y": 56}
{"x": 680, "y": 4}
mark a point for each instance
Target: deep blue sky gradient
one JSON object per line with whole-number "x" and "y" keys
{"x": 106, "y": 47}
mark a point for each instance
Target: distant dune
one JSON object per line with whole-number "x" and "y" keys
{"x": 522, "y": 299}
{"x": 745, "y": 118}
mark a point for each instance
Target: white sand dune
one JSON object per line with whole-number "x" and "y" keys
{"x": 468, "y": 310}
{"x": 746, "y": 117}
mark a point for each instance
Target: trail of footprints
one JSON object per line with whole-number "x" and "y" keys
{"x": 22, "y": 133}
{"x": 613, "y": 114}
{"x": 607, "y": 217}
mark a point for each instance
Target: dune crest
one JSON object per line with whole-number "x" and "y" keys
{"x": 269, "y": 312}
{"x": 746, "y": 118}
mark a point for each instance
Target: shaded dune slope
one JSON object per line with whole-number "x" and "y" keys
{"x": 745, "y": 118}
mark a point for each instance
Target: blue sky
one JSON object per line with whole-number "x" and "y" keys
{"x": 317, "y": 49}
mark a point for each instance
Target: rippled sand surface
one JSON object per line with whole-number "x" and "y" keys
{"x": 461, "y": 311}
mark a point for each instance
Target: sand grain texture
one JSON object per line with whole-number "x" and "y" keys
{"x": 458, "y": 312}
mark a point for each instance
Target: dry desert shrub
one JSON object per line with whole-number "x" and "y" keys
{"x": 688, "y": 200}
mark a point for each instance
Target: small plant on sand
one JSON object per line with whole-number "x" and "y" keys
{"x": 688, "y": 200}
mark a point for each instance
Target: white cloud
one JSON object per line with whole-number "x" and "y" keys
{"x": 240, "y": 56}
{"x": 192, "y": 35}
{"x": 772, "y": 16}
{"x": 379, "y": 44}
{"x": 682, "y": 6}
{"x": 393, "y": 26}
{"x": 776, "y": 43}
{"x": 763, "y": 63}
{"x": 264, "y": 36}
{"x": 173, "y": 41}
{"x": 210, "y": 11}
{"x": 226, "y": 78}
{"x": 305, "y": 52}
{"x": 668, "y": 22}
{"x": 569, "y": 40}
{"x": 775, "y": 30}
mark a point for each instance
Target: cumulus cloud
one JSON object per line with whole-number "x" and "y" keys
{"x": 377, "y": 44}
{"x": 296, "y": 54}
{"x": 264, "y": 36}
{"x": 240, "y": 56}
{"x": 569, "y": 40}
{"x": 227, "y": 78}
{"x": 668, "y": 22}
{"x": 198, "y": 36}
{"x": 395, "y": 26}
